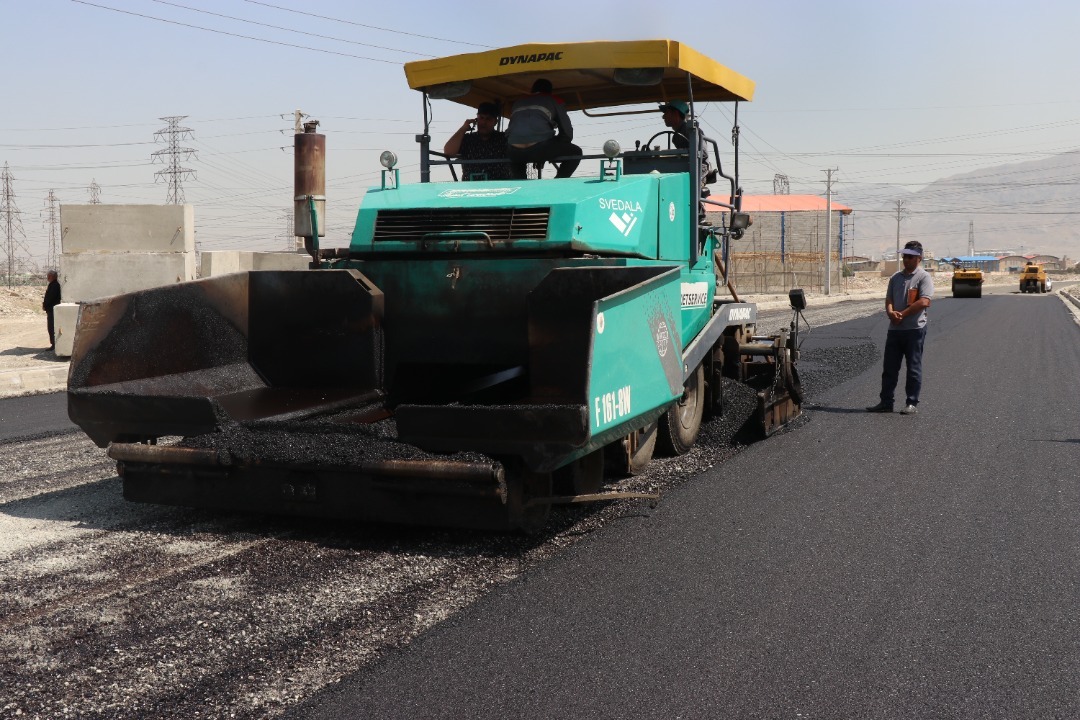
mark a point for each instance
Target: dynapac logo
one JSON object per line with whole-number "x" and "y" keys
{"x": 739, "y": 314}
{"x": 534, "y": 58}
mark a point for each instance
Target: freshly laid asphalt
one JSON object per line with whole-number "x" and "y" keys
{"x": 34, "y": 415}
{"x": 861, "y": 566}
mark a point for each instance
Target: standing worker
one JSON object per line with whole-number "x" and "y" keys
{"x": 531, "y": 134}
{"x": 906, "y": 301}
{"x": 52, "y": 299}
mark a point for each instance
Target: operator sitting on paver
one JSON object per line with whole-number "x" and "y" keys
{"x": 674, "y": 114}
{"x": 533, "y": 122}
{"x": 675, "y": 118}
{"x": 486, "y": 143}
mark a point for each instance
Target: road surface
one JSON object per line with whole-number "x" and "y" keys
{"x": 866, "y": 566}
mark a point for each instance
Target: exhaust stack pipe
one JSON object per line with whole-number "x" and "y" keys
{"x": 309, "y": 197}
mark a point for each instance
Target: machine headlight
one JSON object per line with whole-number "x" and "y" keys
{"x": 740, "y": 221}
{"x": 388, "y": 159}
{"x": 612, "y": 149}
{"x": 797, "y": 298}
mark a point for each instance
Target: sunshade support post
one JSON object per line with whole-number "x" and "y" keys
{"x": 736, "y": 198}
{"x": 425, "y": 143}
{"x": 695, "y": 176}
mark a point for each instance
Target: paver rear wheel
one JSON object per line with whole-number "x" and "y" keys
{"x": 583, "y": 476}
{"x": 679, "y": 426}
{"x": 526, "y": 495}
{"x": 630, "y": 455}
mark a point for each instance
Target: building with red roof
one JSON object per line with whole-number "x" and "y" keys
{"x": 784, "y": 247}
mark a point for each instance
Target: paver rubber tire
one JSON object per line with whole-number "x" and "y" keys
{"x": 630, "y": 455}
{"x": 679, "y": 426}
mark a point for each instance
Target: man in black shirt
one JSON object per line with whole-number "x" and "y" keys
{"x": 486, "y": 143}
{"x": 52, "y": 299}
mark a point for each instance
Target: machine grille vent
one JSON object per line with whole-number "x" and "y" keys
{"x": 498, "y": 224}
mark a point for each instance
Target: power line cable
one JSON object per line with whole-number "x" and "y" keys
{"x": 236, "y": 35}
{"x": 370, "y": 27}
{"x": 292, "y": 30}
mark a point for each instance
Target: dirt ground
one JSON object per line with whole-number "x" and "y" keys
{"x": 24, "y": 341}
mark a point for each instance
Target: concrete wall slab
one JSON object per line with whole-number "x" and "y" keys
{"x": 222, "y": 262}
{"x": 279, "y": 261}
{"x": 218, "y": 262}
{"x": 90, "y": 276}
{"x": 127, "y": 228}
{"x": 65, "y": 320}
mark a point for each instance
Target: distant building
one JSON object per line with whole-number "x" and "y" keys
{"x": 986, "y": 263}
{"x": 1014, "y": 263}
{"x": 1049, "y": 262}
{"x": 861, "y": 263}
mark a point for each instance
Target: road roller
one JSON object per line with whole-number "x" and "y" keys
{"x": 967, "y": 279}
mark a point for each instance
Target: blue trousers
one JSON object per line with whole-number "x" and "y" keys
{"x": 906, "y": 345}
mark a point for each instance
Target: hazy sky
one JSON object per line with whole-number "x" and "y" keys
{"x": 889, "y": 93}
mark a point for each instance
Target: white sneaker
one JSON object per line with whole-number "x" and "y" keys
{"x": 909, "y": 410}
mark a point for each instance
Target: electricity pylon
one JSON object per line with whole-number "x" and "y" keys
{"x": 173, "y": 155}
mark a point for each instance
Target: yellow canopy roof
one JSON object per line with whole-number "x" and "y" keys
{"x": 584, "y": 74}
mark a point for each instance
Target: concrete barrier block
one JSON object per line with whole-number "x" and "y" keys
{"x": 218, "y": 262}
{"x": 65, "y": 321}
{"x": 279, "y": 261}
{"x": 30, "y": 381}
{"x": 222, "y": 262}
{"x": 127, "y": 228}
{"x": 90, "y": 276}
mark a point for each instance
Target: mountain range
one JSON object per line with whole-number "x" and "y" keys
{"x": 1022, "y": 208}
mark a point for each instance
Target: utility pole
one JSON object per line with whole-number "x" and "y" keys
{"x": 11, "y": 221}
{"x": 173, "y": 155}
{"x": 95, "y": 193}
{"x": 52, "y": 219}
{"x": 901, "y": 211}
{"x": 971, "y": 238}
{"x": 828, "y": 228}
{"x": 781, "y": 185}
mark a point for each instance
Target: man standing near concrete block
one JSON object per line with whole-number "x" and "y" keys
{"x": 52, "y": 299}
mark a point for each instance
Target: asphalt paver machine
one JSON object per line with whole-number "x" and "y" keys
{"x": 480, "y": 351}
